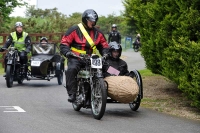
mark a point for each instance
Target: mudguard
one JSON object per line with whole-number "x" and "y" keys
{"x": 58, "y": 66}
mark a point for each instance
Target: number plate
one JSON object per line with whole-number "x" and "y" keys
{"x": 35, "y": 63}
{"x": 96, "y": 63}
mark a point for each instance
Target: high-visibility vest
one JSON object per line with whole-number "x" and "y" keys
{"x": 88, "y": 38}
{"x": 19, "y": 43}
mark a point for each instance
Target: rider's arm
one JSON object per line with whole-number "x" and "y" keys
{"x": 8, "y": 42}
{"x": 28, "y": 43}
{"x": 119, "y": 36}
{"x": 103, "y": 46}
{"x": 67, "y": 40}
{"x": 123, "y": 68}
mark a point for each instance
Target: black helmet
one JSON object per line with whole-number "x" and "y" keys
{"x": 90, "y": 15}
{"x": 43, "y": 38}
{"x": 114, "y": 26}
{"x": 115, "y": 46}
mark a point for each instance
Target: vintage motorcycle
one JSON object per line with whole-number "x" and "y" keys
{"x": 15, "y": 71}
{"x": 136, "y": 45}
{"x": 46, "y": 63}
{"x": 91, "y": 89}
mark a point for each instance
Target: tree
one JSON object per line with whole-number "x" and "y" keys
{"x": 6, "y": 8}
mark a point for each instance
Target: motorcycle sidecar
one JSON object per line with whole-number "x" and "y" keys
{"x": 45, "y": 63}
{"x": 134, "y": 105}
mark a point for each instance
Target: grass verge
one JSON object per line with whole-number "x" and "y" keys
{"x": 163, "y": 95}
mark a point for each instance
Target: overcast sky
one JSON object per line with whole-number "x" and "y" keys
{"x": 67, "y": 7}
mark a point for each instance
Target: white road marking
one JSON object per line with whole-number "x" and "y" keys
{"x": 13, "y": 109}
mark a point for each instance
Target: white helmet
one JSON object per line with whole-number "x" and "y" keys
{"x": 138, "y": 35}
{"x": 17, "y": 24}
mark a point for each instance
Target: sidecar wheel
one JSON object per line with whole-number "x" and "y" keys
{"x": 9, "y": 76}
{"x": 98, "y": 98}
{"x": 60, "y": 77}
{"x": 136, "y": 103}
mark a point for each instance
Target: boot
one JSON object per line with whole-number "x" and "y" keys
{"x": 72, "y": 98}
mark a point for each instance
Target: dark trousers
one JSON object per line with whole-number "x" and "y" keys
{"x": 23, "y": 58}
{"x": 74, "y": 66}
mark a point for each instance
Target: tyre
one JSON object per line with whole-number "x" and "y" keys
{"x": 60, "y": 77}
{"x": 136, "y": 103}
{"x": 136, "y": 48}
{"x": 9, "y": 76}
{"x": 98, "y": 98}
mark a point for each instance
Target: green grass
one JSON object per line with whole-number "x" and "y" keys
{"x": 1, "y": 69}
{"x": 146, "y": 72}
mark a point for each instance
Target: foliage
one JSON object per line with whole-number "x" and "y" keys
{"x": 52, "y": 21}
{"x": 6, "y": 8}
{"x": 170, "y": 38}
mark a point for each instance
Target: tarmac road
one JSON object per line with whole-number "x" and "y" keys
{"x": 40, "y": 106}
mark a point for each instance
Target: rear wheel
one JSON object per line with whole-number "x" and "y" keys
{"x": 9, "y": 76}
{"x": 98, "y": 98}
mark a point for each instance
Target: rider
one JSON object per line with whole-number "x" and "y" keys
{"x": 114, "y": 65}
{"x": 74, "y": 41}
{"x": 137, "y": 41}
{"x": 114, "y": 35}
{"x": 20, "y": 40}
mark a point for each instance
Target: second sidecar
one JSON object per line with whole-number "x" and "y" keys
{"x": 46, "y": 63}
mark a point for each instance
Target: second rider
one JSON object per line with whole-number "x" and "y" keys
{"x": 78, "y": 42}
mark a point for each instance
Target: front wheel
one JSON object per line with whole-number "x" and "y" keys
{"x": 136, "y": 48}
{"x": 9, "y": 76}
{"x": 59, "y": 77}
{"x": 98, "y": 98}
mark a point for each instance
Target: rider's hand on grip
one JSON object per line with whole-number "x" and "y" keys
{"x": 27, "y": 51}
{"x": 105, "y": 56}
{"x": 68, "y": 54}
{"x": 1, "y": 49}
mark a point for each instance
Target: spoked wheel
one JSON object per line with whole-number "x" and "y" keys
{"x": 136, "y": 103}
{"x": 60, "y": 77}
{"x": 98, "y": 98}
{"x": 9, "y": 76}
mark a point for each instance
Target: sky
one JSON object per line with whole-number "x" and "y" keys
{"x": 67, "y": 7}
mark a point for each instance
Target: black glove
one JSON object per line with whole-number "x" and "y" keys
{"x": 1, "y": 49}
{"x": 68, "y": 54}
{"x": 105, "y": 56}
{"x": 27, "y": 51}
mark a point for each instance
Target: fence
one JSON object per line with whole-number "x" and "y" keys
{"x": 35, "y": 37}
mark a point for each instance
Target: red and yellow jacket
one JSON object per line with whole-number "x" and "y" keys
{"x": 75, "y": 41}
